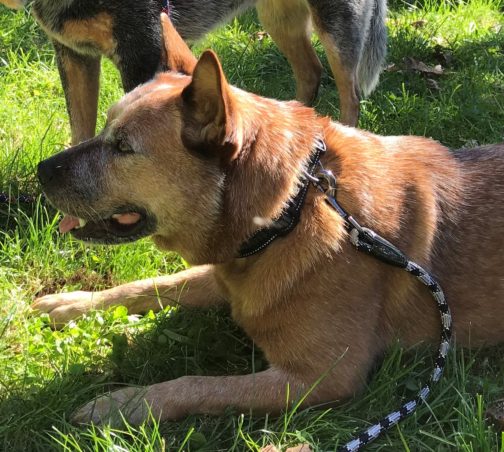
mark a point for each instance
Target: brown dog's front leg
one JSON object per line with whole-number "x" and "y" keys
{"x": 264, "y": 392}
{"x": 80, "y": 77}
{"x": 195, "y": 287}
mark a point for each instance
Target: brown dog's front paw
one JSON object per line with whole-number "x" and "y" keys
{"x": 129, "y": 404}
{"x": 162, "y": 401}
{"x": 64, "y": 307}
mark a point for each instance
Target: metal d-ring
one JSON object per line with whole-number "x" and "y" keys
{"x": 326, "y": 182}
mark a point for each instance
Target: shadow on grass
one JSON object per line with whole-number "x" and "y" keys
{"x": 196, "y": 342}
{"x": 177, "y": 343}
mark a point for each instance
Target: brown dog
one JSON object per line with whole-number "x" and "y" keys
{"x": 201, "y": 166}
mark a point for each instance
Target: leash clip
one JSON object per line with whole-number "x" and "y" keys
{"x": 374, "y": 244}
{"x": 326, "y": 182}
{"x": 364, "y": 239}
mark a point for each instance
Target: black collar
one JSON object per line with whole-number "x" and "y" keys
{"x": 289, "y": 217}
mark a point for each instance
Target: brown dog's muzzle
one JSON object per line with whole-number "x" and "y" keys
{"x": 74, "y": 182}
{"x": 73, "y": 176}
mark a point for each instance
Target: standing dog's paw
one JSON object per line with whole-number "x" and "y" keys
{"x": 64, "y": 307}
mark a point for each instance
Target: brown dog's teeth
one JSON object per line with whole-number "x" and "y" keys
{"x": 127, "y": 218}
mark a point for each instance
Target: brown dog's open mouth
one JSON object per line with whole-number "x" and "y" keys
{"x": 125, "y": 225}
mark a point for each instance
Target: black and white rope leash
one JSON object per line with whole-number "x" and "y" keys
{"x": 369, "y": 242}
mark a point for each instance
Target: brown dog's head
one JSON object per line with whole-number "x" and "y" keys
{"x": 158, "y": 166}
{"x": 189, "y": 160}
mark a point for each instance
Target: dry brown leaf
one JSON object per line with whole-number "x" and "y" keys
{"x": 299, "y": 448}
{"x": 419, "y": 23}
{"x": 392, "y": 67}
{"x": 419, "y": 66}
{"x": 260, "y": 35}
{"x": 269, "y": 448}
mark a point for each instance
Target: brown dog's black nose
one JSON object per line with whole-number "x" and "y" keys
{"x": 73, "y": 172}
{"x": 47, "y": 171}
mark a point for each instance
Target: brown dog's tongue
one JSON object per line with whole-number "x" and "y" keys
{"x": 68, "y": 223}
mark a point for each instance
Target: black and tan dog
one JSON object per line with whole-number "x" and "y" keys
{"x": 201, "y": 166}
{"x": 128, "y": 32}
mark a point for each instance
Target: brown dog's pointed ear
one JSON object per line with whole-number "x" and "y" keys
{"x": 176, "y": 54}
{"x": 209, "y": 118}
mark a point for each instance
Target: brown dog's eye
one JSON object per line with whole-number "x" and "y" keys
{"x": 124, "y": 147}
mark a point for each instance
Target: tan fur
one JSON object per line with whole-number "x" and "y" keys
{"x": 315, "y": 305}
{"x": 289, "y": 24}
{"x": 345, "y": 81}
{"x": 177, "y": 55}
{"x": 83, "y": 75}
{"x": 14, "y": 4}
{"x": 97, "y": 30}
{"x": 82, "y": 94}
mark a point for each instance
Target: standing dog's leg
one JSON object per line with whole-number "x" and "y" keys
{"x": 354, "y": 37}
{"x": 80, "y": 76}
{"x": 289, "y": 24}
{"x": 195, "y": 287}
{"x": 136, "y": 60}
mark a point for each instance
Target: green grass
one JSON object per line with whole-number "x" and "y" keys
{"x": 46, "y": 374}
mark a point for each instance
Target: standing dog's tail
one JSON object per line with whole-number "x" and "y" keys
{"x": 374, "y": 51}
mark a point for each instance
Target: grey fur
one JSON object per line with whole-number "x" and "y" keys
{"x": 359, "y": 33}
{"x": 194, "y": 18}
{"x": 357, "y": 27}
{"x": 375, "y": 49}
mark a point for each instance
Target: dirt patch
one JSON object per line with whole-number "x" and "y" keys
{"x": 80, "y": 280}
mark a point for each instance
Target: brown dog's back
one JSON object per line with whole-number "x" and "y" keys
{"x": 470, "y": 250}
{"x": 465, "y": 255}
